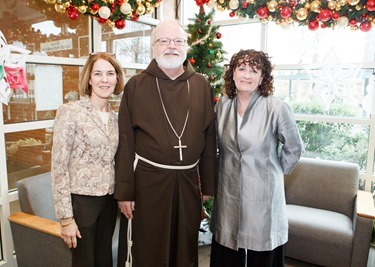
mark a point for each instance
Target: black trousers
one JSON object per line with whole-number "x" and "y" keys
{"x": 96, "y": 221}
{"x": 225, "y": 257}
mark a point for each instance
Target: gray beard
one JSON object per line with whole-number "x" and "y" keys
{"x": 169, "y": 64}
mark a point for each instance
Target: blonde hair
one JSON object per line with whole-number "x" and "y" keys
{"x": 84, "y": 85}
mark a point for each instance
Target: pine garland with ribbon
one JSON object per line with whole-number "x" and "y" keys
{"x": 113, "y": 12}
{"x": 358, "y": 14}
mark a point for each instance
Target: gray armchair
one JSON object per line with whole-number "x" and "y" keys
{"x": 35, "y": 231}
{"x": 330, "y": 221}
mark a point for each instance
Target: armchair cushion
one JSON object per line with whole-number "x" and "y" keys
{"x": 330, "y": 221}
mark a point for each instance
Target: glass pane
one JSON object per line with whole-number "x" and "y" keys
{"x": 234, "y": 39}
{"x": 335, "y": 141}
{"x": 333, "y": 91}
{"x": 38, "y": 27}
{"x": 49, "y": 86}
{"x": 131, "y": 44}
{"x": 299, "y": 45}
{"x": 28, "y": 154}
{"x": 189, "y": 10}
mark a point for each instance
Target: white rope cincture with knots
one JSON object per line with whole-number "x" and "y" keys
{"x": 129, "y": 258}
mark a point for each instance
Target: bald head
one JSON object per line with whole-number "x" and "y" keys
{"x": 168, "y": 27}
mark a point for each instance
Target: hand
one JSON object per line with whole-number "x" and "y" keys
{"x": 69, "y": 233}
{"x": 127, "y": 208}
{"x": 205, "y": 198}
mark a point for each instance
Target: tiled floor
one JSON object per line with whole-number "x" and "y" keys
{"x": 204, "y": 258}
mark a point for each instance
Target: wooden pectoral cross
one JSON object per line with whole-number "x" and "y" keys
{"x": 180, "y": 147}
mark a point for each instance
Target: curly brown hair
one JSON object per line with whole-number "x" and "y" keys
{"x": 258, "y": 60}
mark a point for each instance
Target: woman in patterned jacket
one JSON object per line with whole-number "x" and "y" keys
{"x": 84, "y": 145}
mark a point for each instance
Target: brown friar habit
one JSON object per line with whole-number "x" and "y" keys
{"x": 167, "y": 202}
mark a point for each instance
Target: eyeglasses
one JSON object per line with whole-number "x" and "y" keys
{"x": 167, "y": 41}
{"x": 102, "y": 53}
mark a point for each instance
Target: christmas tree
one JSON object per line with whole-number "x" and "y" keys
{"x": 206, "y": 49}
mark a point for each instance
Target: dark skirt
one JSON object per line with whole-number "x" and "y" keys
{"x": 225, "y": 257}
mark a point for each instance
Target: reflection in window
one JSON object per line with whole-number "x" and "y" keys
{"x": 45, "y": 93}
{"x": 331, "y": 92}
{"x": 131, "y": 44}
{"x": 28, "y": 153}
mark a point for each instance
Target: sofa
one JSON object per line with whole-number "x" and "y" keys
{"x": 330, "y": 220}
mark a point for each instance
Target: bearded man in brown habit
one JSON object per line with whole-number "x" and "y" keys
{"x": 167, "y": 129}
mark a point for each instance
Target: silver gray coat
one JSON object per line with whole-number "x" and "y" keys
{"x": 249, "y": 208}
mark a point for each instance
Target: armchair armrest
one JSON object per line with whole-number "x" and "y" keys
{"x": 37, "y": 241}
{"x": 365, "y": 205}
{"x": 37, "y": 223}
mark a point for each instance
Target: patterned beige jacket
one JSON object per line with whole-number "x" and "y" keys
{"x": 82, "y": 154}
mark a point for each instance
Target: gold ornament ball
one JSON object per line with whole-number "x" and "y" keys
{"x": 111, "y": 1}
{"x": 301, "y": 14}
{"x": 315, "y": 6}
{"x": 358, "y": 7}
{"x": 353, "y": 2}
{"x": 82, "y": 9}
{"x": 221, "y": 1}
{"x": 342, "y": 2}
{"x": 218, "y": 54}
{"x": 307, "y": 5}
{"x": 50, "y": 1}
{"x": 149, "y": 10}
{"x": 272, "y": 5}
{"x": 251, "y": 1}
{"x": 140, "y": 9}
{"x": 139, "y": 1}
{"x": 111, "y": 23}
{"x": 60, "y": 8}
{"x": 373, "y": 22}
{"x": 331, "y": 5}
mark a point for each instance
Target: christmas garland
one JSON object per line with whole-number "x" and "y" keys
{"x": 113, "y": 12}
{"x": 358, "y": 14}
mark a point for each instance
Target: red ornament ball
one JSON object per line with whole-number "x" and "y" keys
{"x": 285, "y": 12}
{"x": 101, "y": 20}
{"x": 245, "y": 5}
{"x": 262, "y": 12}
{"x": 135, "y": 17}
{"x": 120, "y": 24}
{"x": 192, "y": 61}
{"x": 218, "y": 35}
{"x": 335, "y": 16}
{"x": 208, "y": 65}
{"x": 313, "y": 25}
{"x": 353, "y": 22}
{"x": 325, "y": 15}
{"x": 216, "y": 99}
{"x": 95, "y": 7}
{"x": 212, "y": 77}
{"x": 232, "y": 14}
{"x": 199, "y": 2}
{"x": 209, "y": 22}
{"x": 72, "y": 13}
{"x": 370, "y": 6}
{"x": 200, "y": 31}
{"x": 365, "y": 26}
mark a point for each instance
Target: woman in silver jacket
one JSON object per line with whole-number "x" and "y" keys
{"x": 258, "y": 143}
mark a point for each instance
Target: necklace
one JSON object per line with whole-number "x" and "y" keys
{"x": 179, "y": 146}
